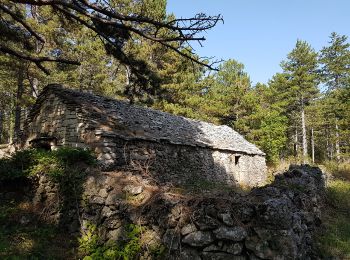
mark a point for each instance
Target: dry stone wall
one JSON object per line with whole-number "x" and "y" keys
{"x": 273, "y": 222}
{"x": 54, "y": 118}
{"x": 180, "y": 164}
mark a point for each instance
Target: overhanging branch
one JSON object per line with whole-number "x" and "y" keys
{"x": 37, "y": 60}
{"x": 98, "y": 16}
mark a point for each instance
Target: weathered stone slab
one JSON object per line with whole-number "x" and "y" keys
{"x": 198, "y": 238}
{"x": 231, "y": 233}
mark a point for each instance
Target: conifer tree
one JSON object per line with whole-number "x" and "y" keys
{"x": 225, "y": 94}
{"x": 301, "y": 70}
{"x": 335, "y": 74}
{"x": 263, "y": 121}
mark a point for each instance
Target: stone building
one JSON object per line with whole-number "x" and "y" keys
{"x": 166, "y": 147}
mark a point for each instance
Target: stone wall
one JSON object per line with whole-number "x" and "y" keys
{"x": 180, "y": 164}
{"x": 273, "y": 222}
{"x": 165, "y": 161}
{"x": 52, "y": 117}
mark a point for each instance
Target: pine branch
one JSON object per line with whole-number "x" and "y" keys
{"x": 37, "y": 60}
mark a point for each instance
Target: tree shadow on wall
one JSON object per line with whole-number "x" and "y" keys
{"x": 176, "y": 149}
{"x": 179, "y": 149}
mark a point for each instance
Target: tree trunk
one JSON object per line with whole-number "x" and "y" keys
{"x": 1, "y": 125}
{"x": 296, "y": 146}
{"x": 331, "y": 151}
{"x": 328, "y": 143}
{"x": 127, "y": 75}
{"x": 303, "y": 127}
{"x": 18, "y": 108}
{"x": 129, "y": 91}
{"x": 35, "y": 84}
{"x": 337, "y": 145}
{"x": 312, "y": 145}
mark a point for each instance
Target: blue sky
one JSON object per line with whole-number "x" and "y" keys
{"x": 260, "y": 33}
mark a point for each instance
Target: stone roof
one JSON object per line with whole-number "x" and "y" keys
{"x": 135, "y": 122}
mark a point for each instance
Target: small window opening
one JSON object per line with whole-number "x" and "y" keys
{"x": 237, "y": 159}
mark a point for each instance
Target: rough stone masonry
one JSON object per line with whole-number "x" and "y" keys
{"x": 278, "y": 221}
{"x": 170, "y": 148}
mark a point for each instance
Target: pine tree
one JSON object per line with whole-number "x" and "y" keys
{"x": 225, "y": 94}
{"x": 335, "y": 72}
{"x": 263, "y": 121}
{"x": 335, "y": 61}
{"x": 301, "y": 70}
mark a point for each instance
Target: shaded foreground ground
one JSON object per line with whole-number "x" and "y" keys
{"x": 22, "y": 233}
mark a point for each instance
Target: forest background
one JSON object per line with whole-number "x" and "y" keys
{"x": 302, "y": 113}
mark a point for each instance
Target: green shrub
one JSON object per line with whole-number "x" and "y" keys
{"x": 126, "y": 249}
{"x": 34, "y": 161}
{"x": 69, "y": 156}
{"x": 88, "y": 243}
{"x": 17, "y": 166}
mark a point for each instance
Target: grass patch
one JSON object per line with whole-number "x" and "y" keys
{"x": 338, "y": 170}
{"x": 335, "y": 239}
{"x": 129, "y": 248}
{"x": 338, "y": 194}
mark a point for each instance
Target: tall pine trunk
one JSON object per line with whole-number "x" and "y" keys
{"x": 337, "y": 145}
{"x": 34, "y": 84}
{"x": 18, "y": 107}
{"x": 303, "y": 127}
{"x": 296, "y": 145}
{"x": 312, "y": 145}
{"x": 1, "y": 125}
{"x": 328, "y": 143}
{"x": 127, "y": 75}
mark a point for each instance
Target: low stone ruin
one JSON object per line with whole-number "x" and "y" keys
{"x": 277, "y": 221}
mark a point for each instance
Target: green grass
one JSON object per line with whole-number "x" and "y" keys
{"x": 338, "y": 170}
{"x": 338, "y": 192}
{"x": 335, "y": 238}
